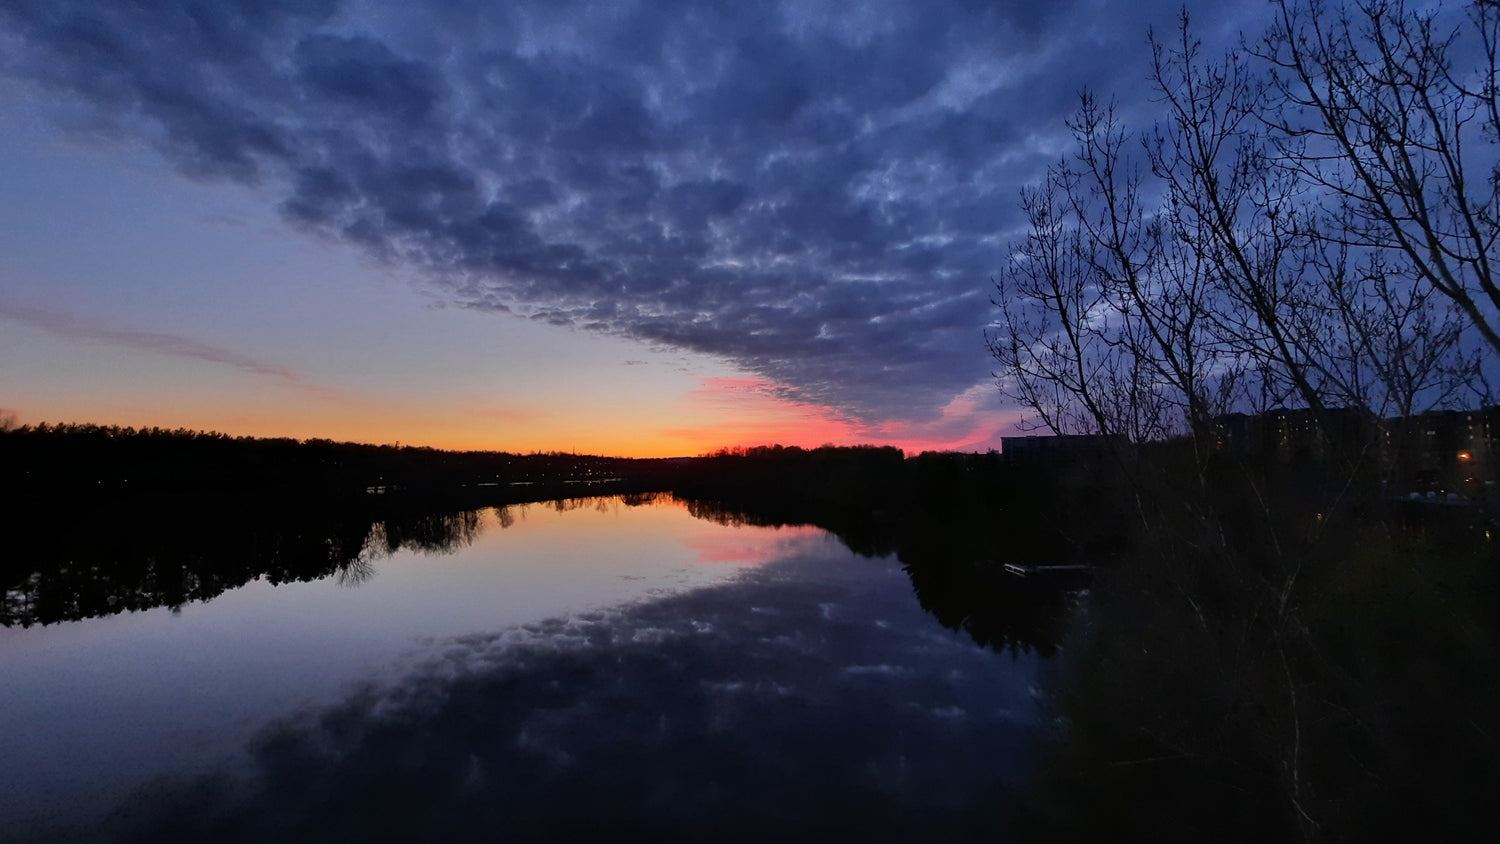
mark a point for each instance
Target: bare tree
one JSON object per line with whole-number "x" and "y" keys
{"x": 1311, "y": 223}
{"x": 1390, "y": 111}
{"x": 1052, "y": 337}
{"x": 1093, "y": 320}
{"x": 1185, "y": 297}
{"x": 1154, "y": 277}
{"x": 1244, "y": 215}
{"x": 1396, "y": 346}
{"x": 1264, "y": 258}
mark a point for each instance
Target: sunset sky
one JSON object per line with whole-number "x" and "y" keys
{"x": 643, "y": 229}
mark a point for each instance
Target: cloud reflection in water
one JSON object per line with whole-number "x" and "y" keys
{"x": 809, "y": 697}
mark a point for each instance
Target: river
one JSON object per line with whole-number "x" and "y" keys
{"x": 602, "y": 666}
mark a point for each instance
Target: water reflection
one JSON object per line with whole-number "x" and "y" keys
{"x": 811, "y": 698}
{"x": 882, "y": 693}
{"x": 133, "y": 559}
{"x": 171, "y": 553}
{"x": 431, "y": 533}
{"x": 92, "y": 705}
{"x": 955, "y": 559}
{"x": 811, "y": 694}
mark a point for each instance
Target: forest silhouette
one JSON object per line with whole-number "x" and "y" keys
{"x": 214, "y": 513}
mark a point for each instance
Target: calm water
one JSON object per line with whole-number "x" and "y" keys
{"x": 544, "y": 671}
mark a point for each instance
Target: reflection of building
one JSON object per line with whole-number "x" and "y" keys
{"x": 1063, "y": 448}
{"x": 1440, "y": 451}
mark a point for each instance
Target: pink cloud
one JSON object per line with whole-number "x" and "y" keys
{"x": 971, "y": 421}
{"x": 717, "y": 547}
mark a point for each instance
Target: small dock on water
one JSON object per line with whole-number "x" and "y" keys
{"x": 1021, "y": 570}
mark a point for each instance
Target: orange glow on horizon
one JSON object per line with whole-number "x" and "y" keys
{"x": 722, "y": 412}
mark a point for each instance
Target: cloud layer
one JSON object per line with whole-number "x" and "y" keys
{"x": 816, "y": 192}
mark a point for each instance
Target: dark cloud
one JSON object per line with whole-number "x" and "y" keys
{"x": 809, "y": 190}
{"x": 363, "y": 77}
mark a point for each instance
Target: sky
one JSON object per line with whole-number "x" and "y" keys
{"x": 631, "y": 228}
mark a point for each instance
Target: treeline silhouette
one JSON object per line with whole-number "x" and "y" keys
{"x": 87, "y": 462}
{"x": 953, "y": 521}
{"x": 105, "y": 520}
{"x": 106, "y": 461}
{"x": 102, "y": 519}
